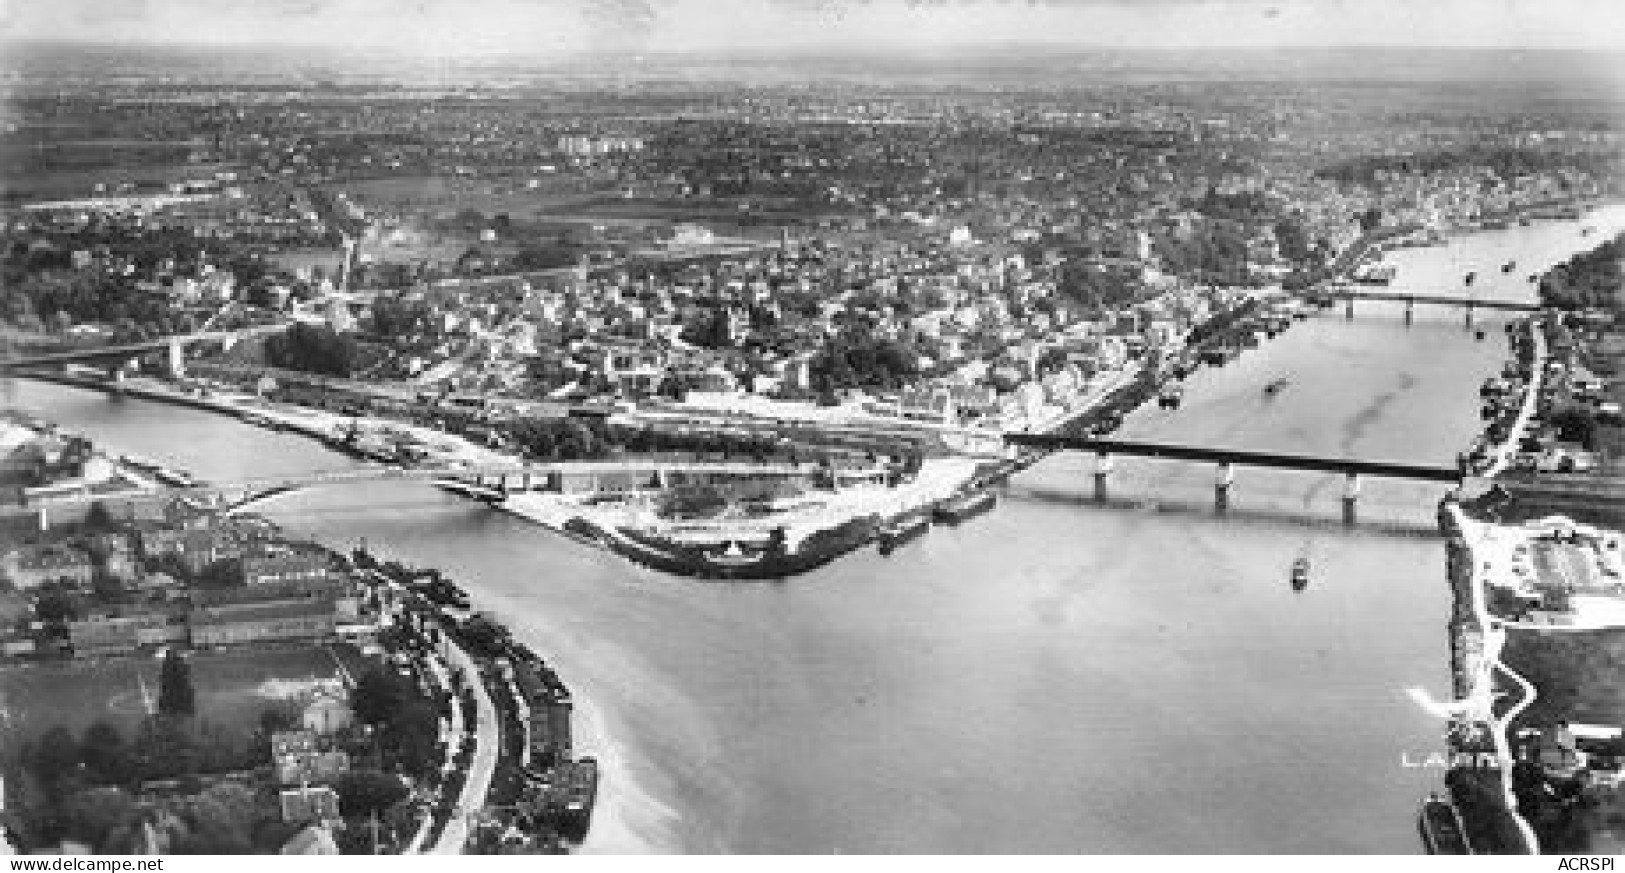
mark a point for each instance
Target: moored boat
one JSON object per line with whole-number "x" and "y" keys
{"x": 1374, "y": 274}
{"x": 578, "y": 792}
{"x": 1171, "y": 395}
{"x": 1442, "y": 831}
{"x": 144, "y": 465}
{"x": 1110, "y": 421}
{"x": 1300, "y": 574}
{"x": 174, "y": 478}
{"x": 902, "y": 529}
{"x": 956, "y": 509}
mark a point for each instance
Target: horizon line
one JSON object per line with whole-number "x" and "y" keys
{"x": 851, "y": 50}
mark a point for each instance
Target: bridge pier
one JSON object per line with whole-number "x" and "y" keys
{"x": 1410, "y": 310}
{"x": 1103, "y": 471}
{"x": 1469, "y": 317}
{"x": 1221, "y": 487}
{"x": 1351, "y": 497}
{"x": 176, "y": 360}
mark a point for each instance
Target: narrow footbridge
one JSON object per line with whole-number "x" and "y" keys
{"x": 1227, "y": 459}
{"x": 514, "y": 477}
{"x": 489, "y": 480}
{"x": 493, "y": 482}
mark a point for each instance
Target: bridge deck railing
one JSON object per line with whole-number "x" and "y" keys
{"x": 1310, "y": 463}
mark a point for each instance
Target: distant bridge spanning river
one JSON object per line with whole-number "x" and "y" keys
{"x": 492, "y": 480}
{"x": 1471, "y": 304}
{"x": 1227, "y": 459}
{"x": 120, "y": 353}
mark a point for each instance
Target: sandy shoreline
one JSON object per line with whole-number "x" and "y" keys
{"x": 628, "y": 819}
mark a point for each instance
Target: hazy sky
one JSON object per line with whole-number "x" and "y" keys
{"x": 548, "y": 27}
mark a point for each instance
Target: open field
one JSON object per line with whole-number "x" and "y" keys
{"x": 453, "y": 194}
{"x": 26, "y": 177}
{"x": 724, "y": 216}
{"x": 1577, "y": 674}
{"x": 233, "y": 689}
{"x": 564, "y": 200}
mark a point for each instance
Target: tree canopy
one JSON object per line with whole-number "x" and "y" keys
{"x": 368, "y": 792}
{"x": 311, "y": 349}
{"x": 1588, "y": 280}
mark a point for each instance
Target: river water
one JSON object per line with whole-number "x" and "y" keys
{"x": 1056, "y": 676}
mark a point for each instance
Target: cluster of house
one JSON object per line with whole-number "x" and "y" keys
{"x": 195, "y": 579}
{"x": 208, "y": 208}
{"x": 1573, "y": 761}
{"x": 307, "y": 761}
{"x": 32, "y": 456}
{"x": 980, "y": 324}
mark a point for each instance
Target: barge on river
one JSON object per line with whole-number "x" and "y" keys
{"x": 575, "y": 790}
{"x": 902, "y": 529}
{"x": 957, "y": 509}
{"x": 1442, "y": 832}
{"x": 1171, "y": 395}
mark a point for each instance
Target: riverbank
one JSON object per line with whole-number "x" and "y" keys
{"x": 1485, "y": 798}
{"x": 809, "y": 534}
{"x": 521, "y": 773}
{"x": 714, "y": 691}
{"x": 805, "y": 533}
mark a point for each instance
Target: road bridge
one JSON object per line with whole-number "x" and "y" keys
{"x": 1411, "y": 299}
{"x": 1226, "y": 460}
{"x": 173, "y": 345}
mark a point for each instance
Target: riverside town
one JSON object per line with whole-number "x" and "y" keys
{"x": 567, "y": 430}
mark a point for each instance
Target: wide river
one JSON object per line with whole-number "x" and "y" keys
{"x": 1056, "y": 676}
